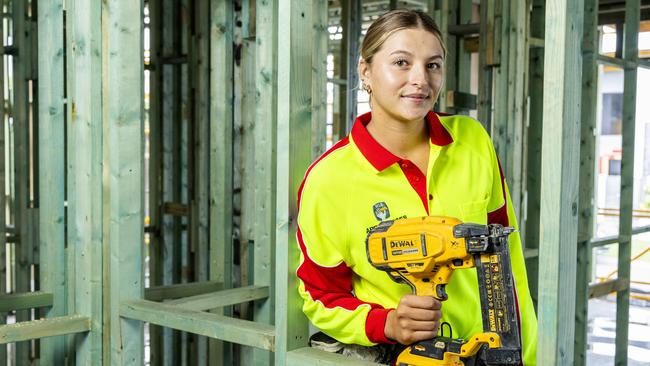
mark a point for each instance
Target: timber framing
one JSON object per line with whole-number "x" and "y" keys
{"x": 152, "y": 152}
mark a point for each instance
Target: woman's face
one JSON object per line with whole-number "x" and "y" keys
{"x": 405, "y": 75}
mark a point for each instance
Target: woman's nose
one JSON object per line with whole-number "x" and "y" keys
{"x": 418, "y": 75}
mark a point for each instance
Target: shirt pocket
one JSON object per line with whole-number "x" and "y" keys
{"x": 475, "y": 211}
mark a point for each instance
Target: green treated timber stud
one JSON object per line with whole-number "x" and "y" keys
{"x": 208, "y": 324}
{"x": 23, "y": 248}
{"x": 41, "y": 328}
{"x": 316, "y": 357}
{"x": 155, "y": 168}
{"x": 516, "y": 102}
{"x": 614, "y": 239}
{"x": 559, "y": 182}
{"x": 293, "y": 157}
{"x": 29, "y": 300}
{"x": 605, "y": 288}
{"x": 319, "y": 78}
{"x": 123, "y": 203}
{"x": 84, "y": 176}
{"x": 586, "y": 208}
{"x": 173, "y": 175}
{"x": 534, "y": 145}
{"x": 486, "y": 61}
{"x": 630, "y": 54}
{"x": 221, "y": 298}
{"x": 160, "y": 293}
{"x": 351, "y": 23}
{"x": 3, "y": 178}
{"x": 221, "y": 165}
{"x": 200, "y": 49}
{"x": 51, "y": 170}
{"x": 84, "y": 172}
{"x": 265, "y": 162}
{"x": 464, "y": 71}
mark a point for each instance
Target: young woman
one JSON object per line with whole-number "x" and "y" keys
{"x": 400, "y": 160}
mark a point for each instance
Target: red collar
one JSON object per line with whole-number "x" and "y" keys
{"x": 381, "y": 158}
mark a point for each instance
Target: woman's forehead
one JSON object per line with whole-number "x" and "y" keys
{"x": 412, "y": 41}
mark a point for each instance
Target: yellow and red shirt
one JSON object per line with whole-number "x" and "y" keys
{"x": 357, "y": 184}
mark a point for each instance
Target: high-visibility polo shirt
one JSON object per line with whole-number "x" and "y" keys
{"x": 357, "y": 184}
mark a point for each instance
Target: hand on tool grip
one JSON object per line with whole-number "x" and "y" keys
{"x": 416, "y": 318}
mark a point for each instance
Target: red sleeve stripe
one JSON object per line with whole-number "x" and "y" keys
{"x": 500, "y": 215}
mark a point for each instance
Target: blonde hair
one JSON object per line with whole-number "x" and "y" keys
{"x": 393, "y": 21}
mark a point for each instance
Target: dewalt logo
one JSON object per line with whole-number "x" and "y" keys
{"x": 401, "y": 243}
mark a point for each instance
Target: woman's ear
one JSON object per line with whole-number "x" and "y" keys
{"x": 364, "y": 71}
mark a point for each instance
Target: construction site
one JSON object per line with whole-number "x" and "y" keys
{"x": 152, "y": 153}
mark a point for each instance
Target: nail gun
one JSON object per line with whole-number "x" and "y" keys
{"x": 424, "y": 252}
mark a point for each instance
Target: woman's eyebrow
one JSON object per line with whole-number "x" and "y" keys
{"x": 411, "y": 54}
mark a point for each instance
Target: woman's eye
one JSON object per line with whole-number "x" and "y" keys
{"x": 400, "y": 62}
{"x": 433, "y": 66}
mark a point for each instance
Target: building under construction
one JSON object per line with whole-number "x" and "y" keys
{"x": 151, "y": 152}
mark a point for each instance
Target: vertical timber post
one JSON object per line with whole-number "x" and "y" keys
{"x": 590, "y": 43}
{"x": 23, "y": 246}
{"x": 559, "y": 184}
{"x": 52, "y": 170}
{"x": 631, "y": 56}
{"x": 221, "y": 171}
{"x": 3, "y": 196}
{"x": 351, "y": 19}
{"x": 84, "y": 171}
{"x": 293, "y": 157}
{"x": 123, "y": 154}
{"x": 266, "y": 78}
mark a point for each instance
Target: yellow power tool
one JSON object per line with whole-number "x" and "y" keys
{"x": 424, "y": 252}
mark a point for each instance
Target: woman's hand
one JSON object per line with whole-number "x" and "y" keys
{"x": 416, "y": 318}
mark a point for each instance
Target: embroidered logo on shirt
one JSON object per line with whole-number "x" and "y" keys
{"x": 381, "y": 211}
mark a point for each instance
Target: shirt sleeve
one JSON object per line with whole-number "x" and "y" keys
{"x": 324, "y": 279}
{"x": 501, "y": 211}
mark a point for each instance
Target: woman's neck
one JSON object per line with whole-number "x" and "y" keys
{"x": 403, "y": 139}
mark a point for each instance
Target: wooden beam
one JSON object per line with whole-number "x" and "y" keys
{"x": 319, "y": 79}
{"x": 586, "y": 208}
{"x": 3, "y": 181}
{"x": 266, "y": 78}
{"x": 51, "y": 140}
{"x": 221, "y": 166}
{"x": 23, "y": 301}
{"x": 211, "y": 325}
{"x": 84, "y": 174}
{"x": 631, "y": 55}
{"x": 293, "y": 157}
{"x": 605, "y": 288}
{"x": 534, "y": 145}
{"x": 351, "y": 23}
{"x": 313, "y": 356}
{"x": 41, "y": 328}
{"x": 23, "y": 250}
{"x": 123, "y": 203}
{"x": 221, "y": 298}
{"x": 160, "y": 293}
{"x": 559, "y": 181}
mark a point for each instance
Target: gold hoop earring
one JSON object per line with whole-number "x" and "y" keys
{"x": 366, "y": 88}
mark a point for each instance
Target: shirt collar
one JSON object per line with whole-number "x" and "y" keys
{"x": 381, "y": 158}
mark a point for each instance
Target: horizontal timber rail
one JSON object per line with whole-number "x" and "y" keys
{"x": 228, "y": 329}
{"x": 23, "y": 301}
{"x": 604, "y": 288}
{"x": 613, "y": 239}
{"x": 42, "y": 328}
{"x": 160, "y": 293}
{"x": 308, "y": 355}
{"x": 222, "y": 298}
